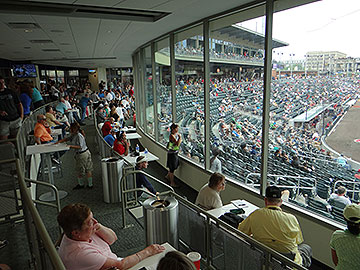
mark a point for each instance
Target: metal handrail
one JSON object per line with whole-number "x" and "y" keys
{"x": 40, "y": 227}
{"x": 298, "y": 187}
{"x": 226, "y": 227}
{"x": 349, "y": 190}
{"x": 53, "y": 187}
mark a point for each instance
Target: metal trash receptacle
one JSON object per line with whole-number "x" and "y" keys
{"x": 111, "y": 175}
{"x": 161, "y": 220}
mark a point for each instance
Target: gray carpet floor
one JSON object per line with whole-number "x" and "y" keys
{"x": 131, "y": 239}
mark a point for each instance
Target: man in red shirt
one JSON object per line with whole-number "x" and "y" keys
{"x": 107, "y": 126}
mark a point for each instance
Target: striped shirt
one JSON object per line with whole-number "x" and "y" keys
{"x": 347, "y": 247}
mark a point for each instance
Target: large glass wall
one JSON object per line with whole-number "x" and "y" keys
{"x": 315, "y": 80}
{"x": 163, "y": 89}
{"x": 236, "y": 91}
{"x": 149, "y": 96}
{"x": 189, "y": 80}
{"x": 312, "y": 85}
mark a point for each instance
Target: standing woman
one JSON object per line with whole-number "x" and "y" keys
{"x": 345, "y": 245}
{"x": 172, "y": 155}
{"x": 84, "y": 165}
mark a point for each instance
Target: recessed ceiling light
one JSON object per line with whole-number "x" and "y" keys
{"x": 28, "y": 30}
{"x": 109, "y": 31}
{"x": 105, "y": 43}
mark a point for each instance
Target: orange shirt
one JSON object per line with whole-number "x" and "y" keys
{"x": 42, "y": 132}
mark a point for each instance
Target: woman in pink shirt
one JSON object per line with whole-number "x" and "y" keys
{"x": 85, "y": 243}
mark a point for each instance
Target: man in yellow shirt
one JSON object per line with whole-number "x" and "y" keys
{"x": 277, "y": 229}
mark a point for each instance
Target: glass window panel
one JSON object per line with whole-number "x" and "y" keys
{"x": 73, "y": 73}
{"x": 189, "y": 76}
{"x": 60, "y": 73}
{"x": 236, "y": 89}
{"x": 313, "y": 79}
{"x": 51, "y": 74}
{"x": 163, "y": 89}
{"x": 139, "y": 90}
{"x": 149, "y": 96}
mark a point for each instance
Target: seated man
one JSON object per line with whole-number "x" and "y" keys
{"x": 277, "y": 229}
{"x": 107, "y": 126}
{"x": 100, "y": 114}
{"x": 338, "y": 199}
{"x": 42, "y": 131}
{"x": 209, "y": 195}
{"x": 141, "y": 180}
{"x": 51, "y": 119}
{"x": 110, "y": 138}
{"x": 341, "y": 160}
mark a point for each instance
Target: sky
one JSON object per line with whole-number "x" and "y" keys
{"x": 328, "y": 25}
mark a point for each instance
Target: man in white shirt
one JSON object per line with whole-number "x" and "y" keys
{"x": 338, "y": 199}
{"x": 209, "y": 195}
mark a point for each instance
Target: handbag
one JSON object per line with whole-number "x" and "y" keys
{"x": 231, "y": 219}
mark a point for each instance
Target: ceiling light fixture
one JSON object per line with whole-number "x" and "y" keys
{"x": 28, "y": 30}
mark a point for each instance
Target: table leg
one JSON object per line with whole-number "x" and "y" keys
{"x": 50, "y": 196}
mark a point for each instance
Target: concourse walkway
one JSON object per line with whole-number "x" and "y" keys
{"x": 131, "y": 239}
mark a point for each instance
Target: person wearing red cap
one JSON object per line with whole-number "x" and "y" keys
{"x": 276, "y": 229}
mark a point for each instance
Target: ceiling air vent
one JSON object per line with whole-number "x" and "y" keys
{"x": 23, "y": 25}
{"x": 41, "y": 41}
{"x": 51, "y": 50}
{"x": 80, "y": 11}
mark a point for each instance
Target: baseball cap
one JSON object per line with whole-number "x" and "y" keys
{"x": 273, "y": 192}
{"x": 352, "y": 213}
{"x": 141, "y": 159}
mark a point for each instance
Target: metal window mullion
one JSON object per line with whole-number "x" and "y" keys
{"x": 136, "y": 82}
{"x": 153, "y": 71}
{"x": 173, "y": 85}
{"x": 206, "y": 34}
{"x": 266, "y": 95}
{"x": 142, "y": 82}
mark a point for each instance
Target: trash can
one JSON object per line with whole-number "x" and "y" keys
{"x": 111, "y": 175}
{"x": 161, "y": 219}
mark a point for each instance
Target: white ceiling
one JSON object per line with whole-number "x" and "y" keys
{"x": 81, "y": 41}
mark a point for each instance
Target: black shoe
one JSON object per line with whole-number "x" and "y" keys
{"x": 78, "y": 187}
{"x": 82, "y": 124}
{"x": 3, "y": 243}
{"x": 90, "y": 187}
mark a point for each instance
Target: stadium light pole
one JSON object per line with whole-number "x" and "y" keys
{"x": 291, "y": 63}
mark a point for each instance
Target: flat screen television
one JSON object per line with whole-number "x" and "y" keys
{"x": 24, "y": 70}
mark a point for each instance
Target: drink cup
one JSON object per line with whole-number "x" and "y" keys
{"x": 195, "y": 257}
